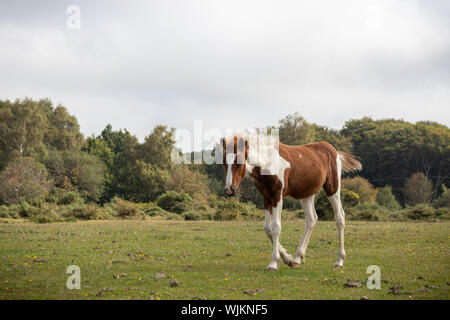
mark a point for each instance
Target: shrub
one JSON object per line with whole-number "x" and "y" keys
{"x": 173, "y": 216}
{"x": 418, "y": 189}
{"x": 175, "y": 202}
{"x": 194, "y": 183}
{"x": 11, "y": 212}
{"x": 365, "y": 211}
{"x": 386, "y": 198}
{"x": 155, "y": 211}
{"x": 125, "y": 209}
{"x": 420, "y": 212}
{"x": 192, "y": 215}
{"x": 232, "y": 209}
{"x": 324, "y": 209}
{"x": 443, "y": 213}
{"x": 361, "y": 186}
{"x": 444, "y": 200}
{"x": 61, "y": 196}
{"x": 23, "y": 179}
{"x": 44, "y": 213}
{"x": 85, "y": 212}
{"x": 349, "y": 198}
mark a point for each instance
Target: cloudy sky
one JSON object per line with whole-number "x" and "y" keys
{"x": 229, "y": 64}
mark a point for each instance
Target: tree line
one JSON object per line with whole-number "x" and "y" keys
{"x": 43, "y": 150}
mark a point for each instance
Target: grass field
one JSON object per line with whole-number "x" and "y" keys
{"x": 219, "y": 260}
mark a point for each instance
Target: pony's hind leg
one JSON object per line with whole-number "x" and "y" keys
{"x": 339, "y": 217}
{"x": 310, "y": 221}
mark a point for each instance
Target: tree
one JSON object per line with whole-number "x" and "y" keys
{"x": 386, "y": 198}
{"x": 418, "y": 189}
{"x": 22, "y": 128}
{"x": 295, "y": 130}
{"x": 394, "y": 149}
{"x": 192, "y": 182}
{"x": 157, "y": 147}
{"x": 23, "y": 179}
{"x": 63, "y": 131}
{"x": 77, "y": 171}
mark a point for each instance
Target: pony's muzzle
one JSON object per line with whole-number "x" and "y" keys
{"x": 229, "y": 191}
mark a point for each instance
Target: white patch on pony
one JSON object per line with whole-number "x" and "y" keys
{"x": 300, "y": 155}
{"x": 263, "y": 152}
{"x": 230, "y": 160}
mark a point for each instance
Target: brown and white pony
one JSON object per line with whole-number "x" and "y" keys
{"x": 297, "y": 171}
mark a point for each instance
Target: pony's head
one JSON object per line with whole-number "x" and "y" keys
{"x": 235, "y": 154}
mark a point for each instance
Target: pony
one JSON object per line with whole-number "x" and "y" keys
{"x": 279, "y": 170}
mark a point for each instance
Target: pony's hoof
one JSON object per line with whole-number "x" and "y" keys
{"x": 338, "y": 266}
{"x": 294, "y": 265}
{"x": 271, "y": 269}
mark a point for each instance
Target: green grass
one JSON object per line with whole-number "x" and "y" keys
{"x": 219, "y": 260}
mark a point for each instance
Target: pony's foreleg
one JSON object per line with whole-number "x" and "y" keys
{"x": 310, "y": 221}
{"x": 276, "y": 230}
{"x": 287, "y": 258}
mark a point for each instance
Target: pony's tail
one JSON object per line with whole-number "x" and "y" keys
{"x": 349, "y": 162}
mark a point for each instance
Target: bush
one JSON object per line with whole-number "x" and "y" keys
{"x": 23, "y": 179}
{"x": 192, "y": 215}
{"x": 324, "y": 209}
{"x": 155, "y": 211}
{"x": 362, "y": 187}
{"x": 443, "y": 213}
{"x": 85, "y": 212}
{"x": 365, "y": 211}
{"x": 229, "y": 209}
{"x": 444, "y": 200}
{"x": 418, "y": 189}
{"x": 420, "y": 212}
{"x": 173, "y": 216}
{"x": 61, "y": 196}
{"x": 175, "y": 202}
{"x": 45, "y": 213}
{"x": 125, "y": 209}
{"x": 10, "y": 212}
{"x": 386, "y": 198}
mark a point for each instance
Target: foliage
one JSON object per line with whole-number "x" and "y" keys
{"x": 324, "y": 208}
{"x": 391, "y": 150}
{"x": 176, "y": 202}
{"x": 444, "y": 200}
{"x": 23, "y": 180}
{"x": 77, "y": 171}
{"x": 420, "y": 212}
{"x": 362, "y": 187}
{"x": 192, "y": 182}
{"x": 418, "y": 189}
{"x": 61, "y": 196}
{"x": 232, "y": 209}
{"x": 386, "y": 198}
{"x": 125, "y": 209}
